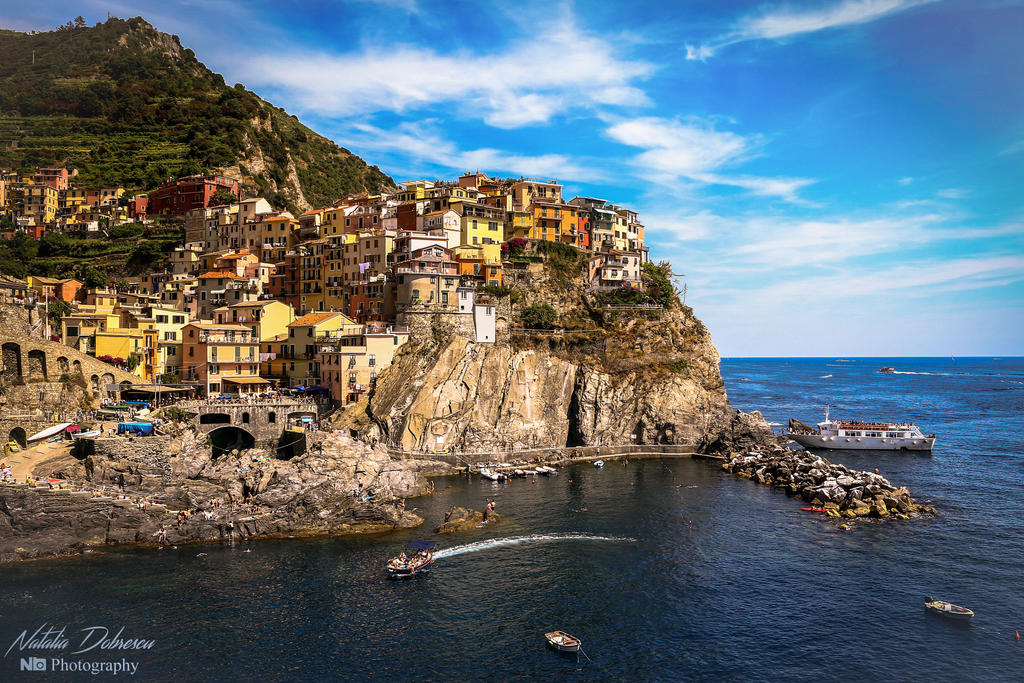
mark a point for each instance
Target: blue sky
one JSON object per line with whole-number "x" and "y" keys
{"x": 836, "y": 177}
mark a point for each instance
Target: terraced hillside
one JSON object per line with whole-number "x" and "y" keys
{"x": 127, "y": 105}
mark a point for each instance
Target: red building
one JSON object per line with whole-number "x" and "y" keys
{"x": 57, "y": 178}
{"x": 181, "y": 195}
{"x": 138, "y": 207}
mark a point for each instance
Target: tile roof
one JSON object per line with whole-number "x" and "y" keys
{"x": 313, "y": 318}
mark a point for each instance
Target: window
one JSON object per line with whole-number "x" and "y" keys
{"x": 351, "y": 378}
{"x": 373, "y": 360}
{"x": 161, "y": 318}
{"x": 72, "y": 331}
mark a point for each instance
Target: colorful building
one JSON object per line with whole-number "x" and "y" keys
{"x": 221, "y": 359}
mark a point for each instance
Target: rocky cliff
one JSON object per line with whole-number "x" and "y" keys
{"x": 607, "y": 377}
{"x": 340, "y": 486}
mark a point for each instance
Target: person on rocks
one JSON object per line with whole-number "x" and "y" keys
{"x": 161, "y": 534}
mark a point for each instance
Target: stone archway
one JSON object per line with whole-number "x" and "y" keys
{"x": 105, "y": 380}
{"x": 11, "y": 355}
{"x": 94, "y": 382}
{"x": 76, "y": 367}
{"x": 225, "y": 439}
{"x": 63, "y": 366}
{"x": 37, "y": 363}
{"x": 19, "y": 436}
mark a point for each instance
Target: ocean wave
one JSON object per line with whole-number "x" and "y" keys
{"x": 519, "y": 540}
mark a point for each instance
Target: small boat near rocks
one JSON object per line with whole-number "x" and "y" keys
{"x": 599, "y": 464}
{"x": 947, "y": 609}
{"x": 493, "y": 475}
{"x": 403, "y": 567}
{"x": 562, "y": 641}
{"x": 544, "y": 469}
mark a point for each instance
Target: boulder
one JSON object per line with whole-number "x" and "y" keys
{"x": 462, "y": 519}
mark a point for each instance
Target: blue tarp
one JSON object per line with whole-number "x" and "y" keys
{"x": 140, "y": 428}
{"x": 423, "y": 545}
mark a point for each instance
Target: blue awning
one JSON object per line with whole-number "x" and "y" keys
{"x": 423, "y": 545}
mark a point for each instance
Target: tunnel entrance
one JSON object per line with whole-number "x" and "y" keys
{"x": 226, "y": 439}
{"x": 291, "y": 443}
{"x": 18, "y": 436}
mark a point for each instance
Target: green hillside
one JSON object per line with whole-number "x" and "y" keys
{"x": 127, "y": 105}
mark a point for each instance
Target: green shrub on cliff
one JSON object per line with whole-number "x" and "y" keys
{"x": 538, "y": 317}
{"x": 659, "y": 286}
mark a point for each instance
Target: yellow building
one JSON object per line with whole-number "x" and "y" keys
{"x": 348, "y": 367}
{"x": 297, "y": 362}
{"x": 479, "y": 224}
{"x": 266, "y": 319}
{"x": 39, "y": 202}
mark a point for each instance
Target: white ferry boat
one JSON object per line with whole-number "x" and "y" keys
{"x": 877, "y": 436}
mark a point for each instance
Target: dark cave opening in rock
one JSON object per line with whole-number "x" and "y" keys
{"x": 226, "y": 439}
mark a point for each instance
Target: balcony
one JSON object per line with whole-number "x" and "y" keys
{"x": 224, "y": 339}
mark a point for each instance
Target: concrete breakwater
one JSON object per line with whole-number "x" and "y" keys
{"x": 842, "y": 491}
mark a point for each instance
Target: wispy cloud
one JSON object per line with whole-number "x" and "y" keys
{"x": 954, "y": 193}
{"x": 695, "y": 150}
{"x": 425, "y": 149}
{"x": 557, "y": 68}
{"x": 1015, "y": 148}
{"x": 905, "y": 180}
{"x": 782, "y": 22}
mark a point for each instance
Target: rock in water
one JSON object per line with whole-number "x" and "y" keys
{"x": 462, "y": 519}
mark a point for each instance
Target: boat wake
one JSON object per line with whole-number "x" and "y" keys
{"x": 519, "y": 540}
{"x": 909, "y": 372}
{"x": 824, "y": 376}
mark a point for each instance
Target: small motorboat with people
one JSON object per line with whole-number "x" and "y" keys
{"x": 947, "y": 609}
{"x": 599, "y": 464}
{"x": 404, "y": 566}
{"x": 887, "y": 370}
{"x": 562, "y": 641}
{"x": 544, "y": 469}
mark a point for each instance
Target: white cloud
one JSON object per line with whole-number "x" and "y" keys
{"x": 696, "y": 151}
{"x": 905, "y": 181}
{"x": 778, "y": 23}
{"x": 1015, "y": 148}
{"x": 558, "y": 67}
{"x": 424, "y": 150}
{"x": 954, "y": 193}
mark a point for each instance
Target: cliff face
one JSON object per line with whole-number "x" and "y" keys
{"x": 648, "y": 380}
